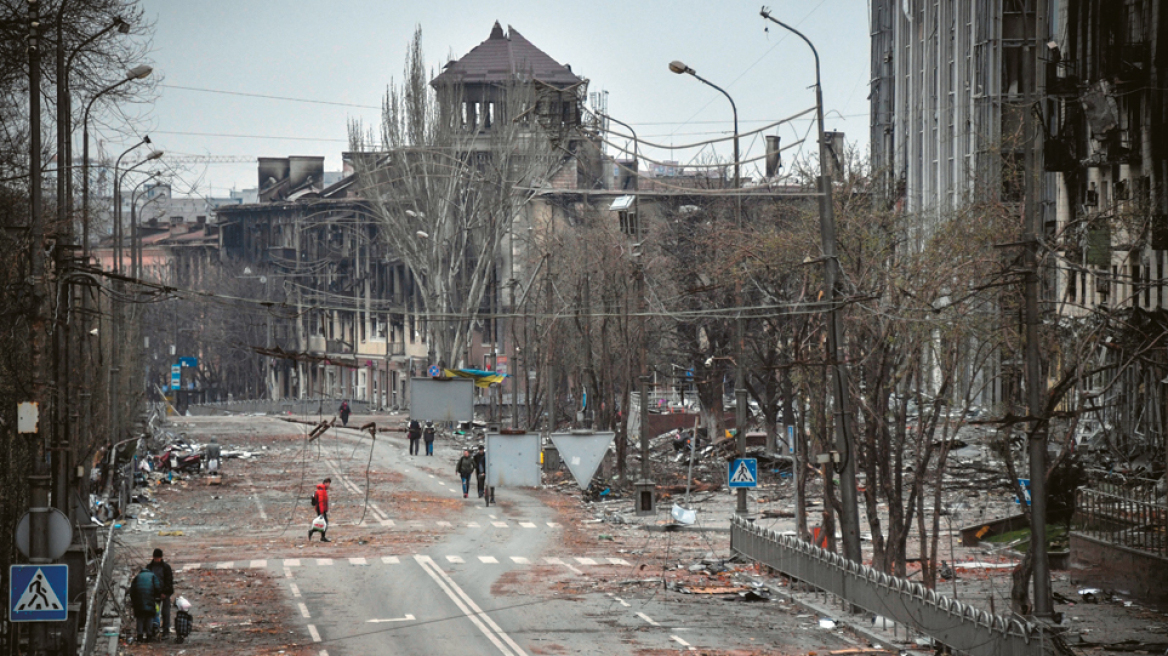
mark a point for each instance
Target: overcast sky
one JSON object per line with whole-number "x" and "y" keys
{"x": 347, "y": 52}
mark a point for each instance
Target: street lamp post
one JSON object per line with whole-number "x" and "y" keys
{"x": 136, "y": 73}
{"x": 121, "y": 231}
{"x": 850, "y": 518}
{"x": 740, "y": 402}
{"x": 135, "y": 237}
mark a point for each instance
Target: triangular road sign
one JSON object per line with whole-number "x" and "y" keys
{"x": 743, "y": 474}
{"x": 583, "y": 453}
{"x": 38, "y": 595}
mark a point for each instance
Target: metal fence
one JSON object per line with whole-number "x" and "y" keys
{"x": 98, "y": 595}
{"x": 1132, "y": 518}
{"x": 961, "y": 627}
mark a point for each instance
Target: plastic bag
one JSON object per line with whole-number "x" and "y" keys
{"x": 182, "y": 604}
{"x": 320, "y": 523}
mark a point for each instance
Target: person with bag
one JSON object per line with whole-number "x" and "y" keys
{"x": 145, "y": 592}
{"x": 428, "y": 437}
{"x": 345, "y": 412}
{"x": 480, "y": 460}
{"x": 165, "y": 575}
{"x": 465, "y": 468}
{"x": 415, "y": 434}
{"x": 320, "y": 503}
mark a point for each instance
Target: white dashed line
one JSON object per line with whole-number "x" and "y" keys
{"x": 470, "y": 609}
{"x": 444, "y": 524}
{"x": 295, "y": 589}
{"x": 553, "y": 525}
{"x": 323, "y": 652}
{"x": 386, "y": 522}
{"x": 292, "y": 562}
{"x": 455, "y": 559}
{"x": 324, "y": 561}
{"x": 585, "y": 561}
{"x": 357, "y": 561}
{"x": 472, "y": 525}
{"x": 681, "y": 642}
{"x": 520, "y": 560}
{"x": 488, "y": 559}
{"x": 527, "y": 524}
{"x": 259, "y": 563}
{"x": 618, "y": 561}
{"x": 647, "y": 619}
{"x": 287, "y": 573}
{"x": 313, "y": 632}
{"x": 499, "y": 524}
{"x": 227, "y": 565}
{"x": 304, "y": 612}
{"x": 390, "y": 560}
{"x": 191, "y": 566}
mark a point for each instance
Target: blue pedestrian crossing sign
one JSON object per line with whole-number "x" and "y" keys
{"x": 744, "y": 472}
{"x": 38, "y": 593}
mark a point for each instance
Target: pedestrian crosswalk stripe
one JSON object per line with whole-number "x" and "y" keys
{"x": 357, "y": 561}
{"x": 520, "y": 560}
{"x": 324, "y": 561}
{"x": 227, "y": 565}
{"x": 455, "y": 559}
{"x": 472, "y": 525}
{"x": 259, "y": 563}
{"x": 618, "y": 561}
{"x": 396, "y": 560}
{"x": 444, "y": 523}
{"x": 499, "y": 524}
{"x": 527, "y": 524}
{"x": 292, "y": 562}
{"x": 585, "y": 561}
{"x": 386, "y": 522}
{"x": 554, "y": 561}
{"x": 390, "y": 560}
{"x": 553, "y": 525}
{"x": 488, "y": 559}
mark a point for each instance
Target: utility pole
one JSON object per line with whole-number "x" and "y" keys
{"x": 846, "y": 468}
{"x": 1035, "y": 385}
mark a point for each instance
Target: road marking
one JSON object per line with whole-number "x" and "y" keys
{"x": 324, "y": 561}
{"x": 313, "y": 632}
{"x": 295, "y": 589}
{"x": 191, "y": 566}
{"x": 455, "y": 559}
{"x": 520, "y": 560}
{"x": 623, "y": 602}
{"x": 618, "y": 561}
{"x": 291, "y": 562}
{"x": 357, "y": 561}
{"x": 682, "y": 642}
{"x": 407, "y": 618}
{"x": 488, "y": 559}
{"x": 259, "y": 563}
{"x": 527, "y": 524}
{"x": 647, "y": 619}
{"x": 431, "y": 476}
{"x": 390, "y": 560}
{"x": 557, "y": 561}
{"x": 256, "y": 497}
{"x": 585, "y": 561}
{"x": 227, "y": 565}
{"x": 553, "y": 525}
{"x": 323, "y": 652}
{"x": 444, "y": 523}
{"x": 386, "y": 522}
{"x": 304, "y": 612}
{"x": 470, "y": 609}
{"x": 499, "y": 524}
{"x": 287, "y": 573}
{"x": 492, "y": 517}
{"x": 472, "y": 525}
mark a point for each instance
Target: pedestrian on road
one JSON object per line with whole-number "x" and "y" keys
{"x": 415, "y": 434}
{"x": 145, "y": 592}
{"x": 345, "y": 412}
{"x": 480, "y": 459}
{"x": 165, "y": 575}
{"x": 321, "y": 505}
{"x": 428, "y": 437}
{"x": 465, "y": 468}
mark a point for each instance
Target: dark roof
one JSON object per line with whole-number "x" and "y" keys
{"x": 503, "y": 57}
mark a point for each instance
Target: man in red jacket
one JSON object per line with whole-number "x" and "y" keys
{"x": 320, "y": 504}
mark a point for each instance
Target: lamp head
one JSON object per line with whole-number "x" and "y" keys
{"x": 139, "y": 72}
{"x": 122, "y": 26}
{"x": 154, "y": 154}
{"x": 680, "y": 68}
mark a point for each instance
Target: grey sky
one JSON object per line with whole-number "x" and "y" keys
{"x": 347, "y": 52}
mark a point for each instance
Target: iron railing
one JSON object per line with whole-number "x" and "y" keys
{"x": 98, "y": 595}
{"x": 1120, "y": 515}
{"x": 961, "y": 627}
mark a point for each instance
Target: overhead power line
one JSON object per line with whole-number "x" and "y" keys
{"x": 268, "y": 97}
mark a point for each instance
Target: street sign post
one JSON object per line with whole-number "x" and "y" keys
{"x": 743, "y": 473}
{"x": 60, "y": 534}
{"x": 175, "y": 376}
{"x": 37, "y": 593}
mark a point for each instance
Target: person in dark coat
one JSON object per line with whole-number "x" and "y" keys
{"x": 465, "y": 468}
{"x": 480, "y": 459}
{"x": 320, "y": 503}
{"x": 428, "y": 437}
{"x": 165, "y": 575}
{"x": 345, "y": 412}
{"x": 145, "y": 591}
{"x": 415, "y": 435}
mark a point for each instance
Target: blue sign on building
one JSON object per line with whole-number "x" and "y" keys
{"x": 38, "y": 593}
{"x": 175, "y": 376}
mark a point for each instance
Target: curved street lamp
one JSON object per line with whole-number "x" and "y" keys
{"x": 136, "y": 73}
{"x": 120, "y": 231}
{"x": 135, "y": 240}
{"x": 682, "y": 69}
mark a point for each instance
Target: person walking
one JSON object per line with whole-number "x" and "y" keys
{"x": 165, "y": 575}
{"x": 320, "y": 502}
{"x": 145, "y": 592}
{"x": 480, "y": 459}
{"x": 344, "y": 412}
{"x": 465, "y": 468}
{"x": 414, "y": 432}
{"x": 428, "y": 437}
